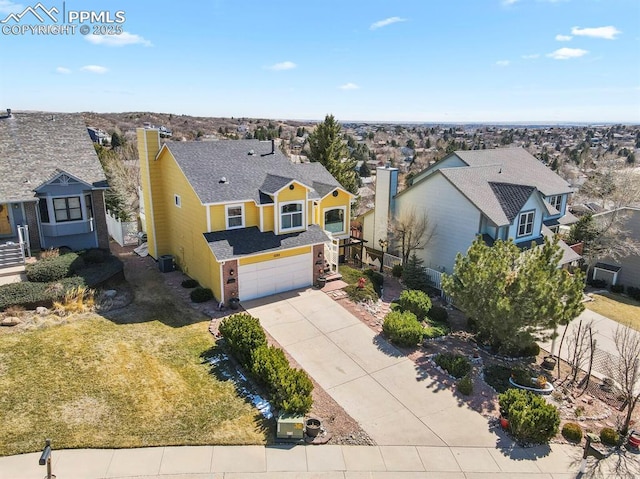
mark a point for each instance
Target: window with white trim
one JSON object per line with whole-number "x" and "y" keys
{"x": 235, "y": 216}
{"x": 525, "y": 223}
{"x": 291, "y": 216}
{"x": 177, "y": 201}
{"x": 67, "y": 209}
{"x": 334, "y": 220}
{"x": 555, "y": 201}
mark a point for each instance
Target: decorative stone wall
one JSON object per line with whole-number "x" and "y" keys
{"x": 318, "y": 262}
{"x": 230, "y": 281}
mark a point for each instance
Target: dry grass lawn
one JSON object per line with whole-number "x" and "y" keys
{"x": 617, "y": 307}
{"x": 95, "y": 383}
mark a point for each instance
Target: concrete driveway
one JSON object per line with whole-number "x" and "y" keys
{"x": 375, "y": 384}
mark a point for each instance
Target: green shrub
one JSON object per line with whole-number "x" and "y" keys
{"x": 200, "y": 295}
{"x": 529, "y": 349}
{"x": 531, "y": 418}
{"x": 435, "y": 330}
{"x": 396, "y": 270}
{"x": 190, "y": 283}
{"x": 572, "y": 432}
{"x": 403, "y": 328}
{"x": 617, "y": 288}
{"x": 361, "y": 294}
{"x": 522, "y": 377}
{"x": 465, "y": 385}
{"x": 269, "y": 363}
{"x": 54, "y": 268}
{"x": 455, "y": 364}
{"x": 597, "y": 283}
{"x": 243, "y": 335}
{"x": 413, "y": 275}
{"x": 376, "y": 278}
{"x": 418, "y": 302}
{"x": 95, "y": 256}
{"x": 438, "y": 314}
{"x": 609, "y": 436}
{"x": 293, "y": 392}
{"x": 31, "y": 295}
{"x": 633, "y": 292}
{"x": 497, "y": 376}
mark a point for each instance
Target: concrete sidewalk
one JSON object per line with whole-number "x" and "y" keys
{"x": 328, "y": 462}
{"x": 377, "y": 385}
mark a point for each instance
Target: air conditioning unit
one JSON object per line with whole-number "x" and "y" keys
{"x": 290, "y": 427}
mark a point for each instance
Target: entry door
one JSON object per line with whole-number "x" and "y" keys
{"x": 5, "y": 221}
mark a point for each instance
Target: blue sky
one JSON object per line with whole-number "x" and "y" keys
{"x": 432, "y": 61}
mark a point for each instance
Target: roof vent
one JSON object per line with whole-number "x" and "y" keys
{"x": 251, "y": 152}
{"x": 223, "y": 180}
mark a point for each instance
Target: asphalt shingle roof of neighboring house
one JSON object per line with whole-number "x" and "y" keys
{"x": 235, "y": 170}
{"x": 522, "y": 166}
{"x": 34, "y": 146}
{"x": 247, "y": 241}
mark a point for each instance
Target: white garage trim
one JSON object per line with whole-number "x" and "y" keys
{"x": 276, "y": 276}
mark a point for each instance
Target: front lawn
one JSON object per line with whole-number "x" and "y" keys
{"x": 94, "y": 383}
{"x": 617, "y": 307}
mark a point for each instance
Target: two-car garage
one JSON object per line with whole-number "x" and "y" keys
{"x": 259, "y": 279}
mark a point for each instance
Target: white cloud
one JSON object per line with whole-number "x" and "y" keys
{"x": 531, "y": 56}
{"x": 63, "y": 70}
{"x": 509, "y": 2}
{"x": 563, "y": 38}
{"x": 95, "y": 69}
{"x": 283, "y": 66}
{"x": 502, "y": 63}
{"x": 125, "y": 38}
{"x": 386, "y": 22}
{"x": 7, "y": 7}
{"x": 608, "y": 33}
{"x": 567, "y": 53}
{"x": 349, "y": 86}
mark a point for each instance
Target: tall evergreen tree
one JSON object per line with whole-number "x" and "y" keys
{"x": 327, "y": 147}
{"x": 413, "y": 275}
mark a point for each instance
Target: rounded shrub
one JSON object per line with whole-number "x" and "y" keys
{"x": 617, "y": 288}
{"x": 438, "y": 314}
{"x": 243, "y": 335}
{"x": 465, "y": 385}
{"x": 455, "y": 364}
{"x": 190, "y": 283}
{"x": 54, "y": 268}
{"x": 609, "y": 436}
{"x": 269, "y": 363}
{"x": 531, "y": 418}
{"x": 396, "y": 271}
{"x": 435, "y": 330}
{"x": 403, "y": 328}
{"x": 572, "y": 432}
{"x": 418, "y": 302}
{"x": 200, "y": 295}
{"x": 293, "y": 393}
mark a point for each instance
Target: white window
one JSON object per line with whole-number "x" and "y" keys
{"x": 334, "y": 220}
{"x": 525, "y": 223}
{"x": 235, "y": 216}
{"x": 177, "y": 201}
{"x": 555, "y": 201}
{"x": 291, "y": 216}
{"x": 67, "y": 209}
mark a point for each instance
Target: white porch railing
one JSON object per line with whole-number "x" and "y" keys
{"x": 332, "y": 254}
{"x": 389, "y": 260}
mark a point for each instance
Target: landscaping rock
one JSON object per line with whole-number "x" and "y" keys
{"x": 109, "y": 293}
{"x": 42, "y": 311}
{"x": 10, "y": 321}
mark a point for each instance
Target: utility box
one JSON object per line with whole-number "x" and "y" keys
{"x": 165, "y": 263}
{"x": 290, "y": 427}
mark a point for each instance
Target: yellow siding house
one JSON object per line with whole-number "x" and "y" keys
{"x": 238, "y": 216}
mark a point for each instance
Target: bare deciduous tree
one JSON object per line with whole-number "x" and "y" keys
{"x": 579, "y": 343}
{"x": 411, "y": 231}
{"x": 626, "y": 371}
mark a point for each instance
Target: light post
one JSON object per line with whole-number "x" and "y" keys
{"x": 383, "y": 244}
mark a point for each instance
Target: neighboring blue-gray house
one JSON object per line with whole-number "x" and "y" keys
{"x": 51, "y": 183}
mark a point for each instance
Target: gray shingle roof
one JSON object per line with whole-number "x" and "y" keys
{"x": 247, "y": 241}
{"x": 511, "y": 197}
{"x": 521, "y": 165}
{"x": 34, "y": 146}
{"x": 248, "y": 176}
{"x": 475, "y": 184}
